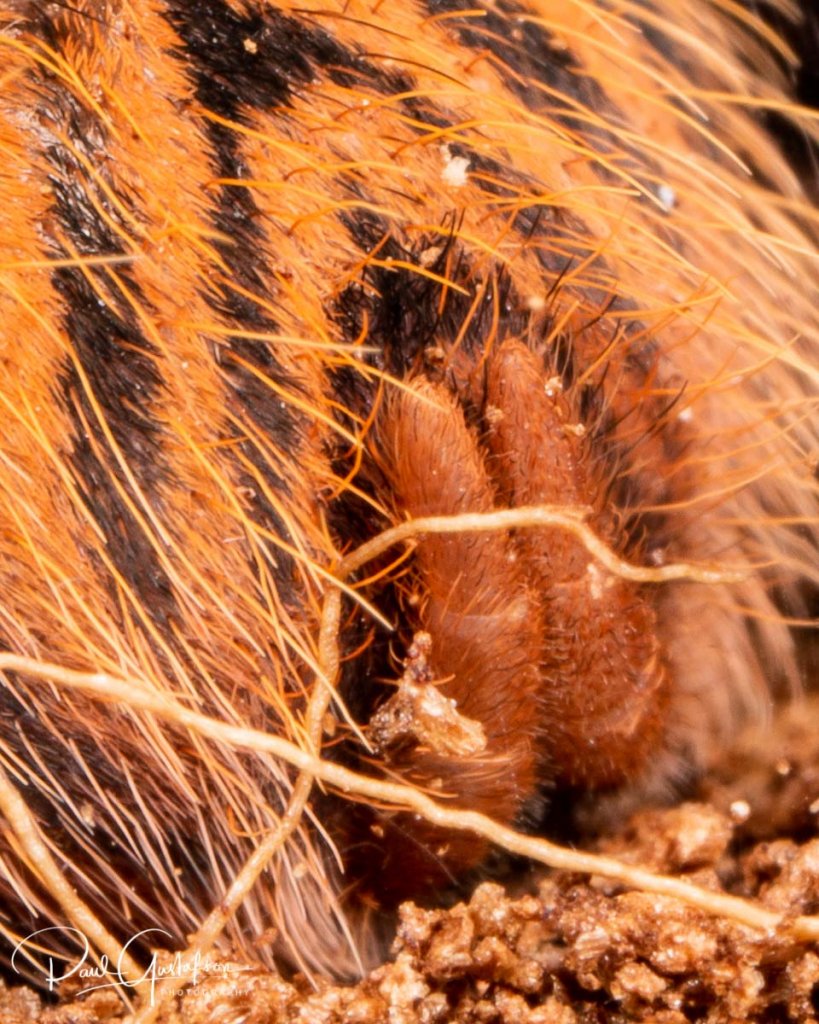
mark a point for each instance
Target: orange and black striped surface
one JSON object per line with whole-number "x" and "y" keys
{"x": 275, "y": 277}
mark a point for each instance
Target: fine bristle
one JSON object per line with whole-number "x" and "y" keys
{"x": 275, "y": 278}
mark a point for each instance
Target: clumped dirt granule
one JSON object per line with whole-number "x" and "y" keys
{"x": 574, "y": 951}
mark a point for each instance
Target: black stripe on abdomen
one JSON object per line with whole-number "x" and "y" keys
{"x": 111, "y": 381}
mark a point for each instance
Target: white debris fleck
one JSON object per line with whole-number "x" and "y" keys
{"x": 455, "y": 169}
{"x": 553, "y": 386}
{"x": 740, "y": 810}
{"x": 667, "y": 196}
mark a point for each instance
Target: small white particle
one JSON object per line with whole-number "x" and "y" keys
{"x": 455, "y": 168}
{"x": 553, "y": 386}
{"x": 667, "y": 196}
{"x": 740, "y": 810}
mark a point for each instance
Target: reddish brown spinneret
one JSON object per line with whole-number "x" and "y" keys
{"x": 483, "y": 618}
{"x": 601, "y": 670}
{"x": 554, "y": 656}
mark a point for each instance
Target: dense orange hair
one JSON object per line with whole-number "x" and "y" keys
{"x": 276, "y": 277}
